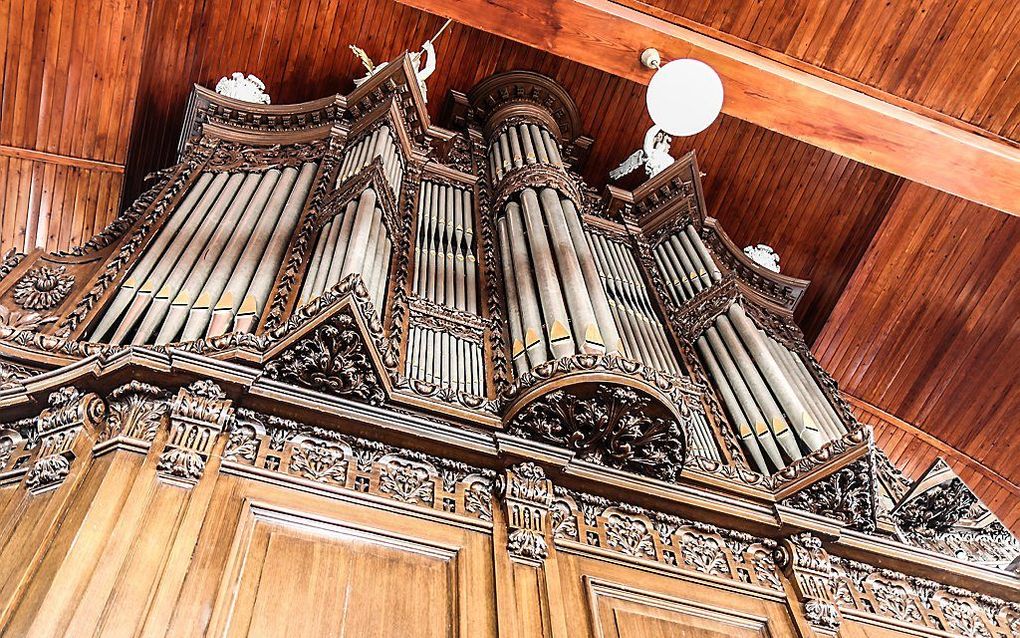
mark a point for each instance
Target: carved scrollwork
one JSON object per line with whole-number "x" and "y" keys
{"x": 527, "y": 495}
{"x": 237, "y": 156}
{"x": 331, "y": 358}
{"x": 679, "y": 543}
{"x": 810, "y": 571}
{"x": 136, "y": 411}
{"x": 198, "y": 414}
{"x": 848, "y": 495}
{"x": 9, "y": 261}
{"x": 612, "y": 427}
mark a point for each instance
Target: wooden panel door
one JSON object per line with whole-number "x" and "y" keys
{"x": 313, "y": 567}
{"x": 302, "y": 580}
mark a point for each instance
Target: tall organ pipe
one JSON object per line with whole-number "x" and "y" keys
{"x": 586, "y": 329}
{"x": 592, "y": 282}
{"x": 159, "y": 269}
{"x": 553, "y": 308}
{"x": 513, "y": 307}
{"x": 152, "y": 254}
{"x": 201, "y": 310}
{"x": 799, "y": 416}
{"x": 534, "y": 345}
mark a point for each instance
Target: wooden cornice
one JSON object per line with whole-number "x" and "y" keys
{"x": 794, "y": 100}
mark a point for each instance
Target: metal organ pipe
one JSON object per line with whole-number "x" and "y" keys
{"x": 686, "y": 264}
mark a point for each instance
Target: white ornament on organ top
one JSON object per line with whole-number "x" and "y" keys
{"x": 246, "y": 89}
{"x": 422, "y": 70}
{"x": 654, "y": 154}
{"x": 764, "y": 256}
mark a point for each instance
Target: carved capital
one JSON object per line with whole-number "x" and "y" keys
{"x": 527, "y": 496}
{"x": 136, "y": 411}
{"x": 806, "y": 563}
{"x": 71, "y": 416}
{"x": 198, "y": 414}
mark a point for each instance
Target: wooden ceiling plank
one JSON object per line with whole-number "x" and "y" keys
{"x": 608, "y": 36}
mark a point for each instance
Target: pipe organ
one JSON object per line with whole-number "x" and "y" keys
{"x": 342, "y": 358}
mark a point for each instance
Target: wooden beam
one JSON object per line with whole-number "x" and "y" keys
{"x": 789, "y": 100}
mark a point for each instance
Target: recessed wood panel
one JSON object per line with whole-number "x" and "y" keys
{"x": 303, "y": 578}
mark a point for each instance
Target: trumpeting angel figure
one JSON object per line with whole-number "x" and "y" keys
{"x": 654, "y": 155}
{"x": 424, "y": 62}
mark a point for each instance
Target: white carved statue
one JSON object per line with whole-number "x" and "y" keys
{"x": 654, "y": 154}
{"x": 247, "y": 89}
{"x": 764, "y": 256}
{"x": 422, "y": 70}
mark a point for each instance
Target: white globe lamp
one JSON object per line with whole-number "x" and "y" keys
{"x": 684, "y": 97}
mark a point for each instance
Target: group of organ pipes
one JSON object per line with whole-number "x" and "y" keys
{"x": 509, "y": 263}
{"x": 340, "y": 348}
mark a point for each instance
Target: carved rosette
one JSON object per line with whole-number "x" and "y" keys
{"x": 809, "y": 568}
{"x": 527, "y": 496}
{"x": 198, "y": 414}
{"x": 611, "y": 425}
{"x": 71, "y": 416}
{"x": 43, "y": 287}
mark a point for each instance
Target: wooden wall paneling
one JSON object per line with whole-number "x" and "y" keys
{"x": 956, "y": 58}
{"x": 86, "y": 527}
{"x": 71, "y": 71}
{"x": 928, "y": 329}
{"x": 607, "y": 598}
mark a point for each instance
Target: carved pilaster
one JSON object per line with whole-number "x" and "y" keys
{"x": 197, "y": 415}
{"x": 72, "y": 416}
{"x": 527, "y": 496}
{"x": 807, "y": 565}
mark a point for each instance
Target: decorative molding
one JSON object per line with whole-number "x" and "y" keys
{"x": 71, "y": 415}
{"x": 848, "y": 495}
{"x": 666, "y": 539}
{"x": 898, "y": 598}
{"x": 237, "y": 156}
{"x": 327, "y": 457}
{"x": 526, "y": 495}
{"x": 198, "y": 414}
{"x": 331, "y": 358}
{"x": 807, "y": 565}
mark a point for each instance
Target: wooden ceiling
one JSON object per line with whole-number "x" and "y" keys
{"x": 912, "y": 300}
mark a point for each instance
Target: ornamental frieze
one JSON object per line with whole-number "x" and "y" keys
{"x": 349, "y": 463}
{"x": 666, "y": 539}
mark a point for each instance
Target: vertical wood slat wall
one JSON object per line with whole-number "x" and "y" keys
{"x": 71, "y": 73}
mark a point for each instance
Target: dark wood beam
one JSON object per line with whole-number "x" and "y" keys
{"x": 789, "y": 100}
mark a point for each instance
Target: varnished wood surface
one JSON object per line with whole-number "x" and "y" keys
{"x": 928, "y": 327}
{"x": 956, "y": 58}
{"x": 607, "y": 35}
{"x": 70, "y": 78}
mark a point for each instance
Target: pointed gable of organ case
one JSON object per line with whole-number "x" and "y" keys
{"x": 339, "y": 320}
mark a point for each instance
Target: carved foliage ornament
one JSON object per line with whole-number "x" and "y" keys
{"x": 43, "y": 287}
{"x": 613, "y": 427}
{"x": 332, "y": 359}
{"x": 846, "y": 495}
{"x": 527, "y": 496}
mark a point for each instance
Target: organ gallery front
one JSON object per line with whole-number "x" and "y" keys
{"x": 346, "y": 371}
